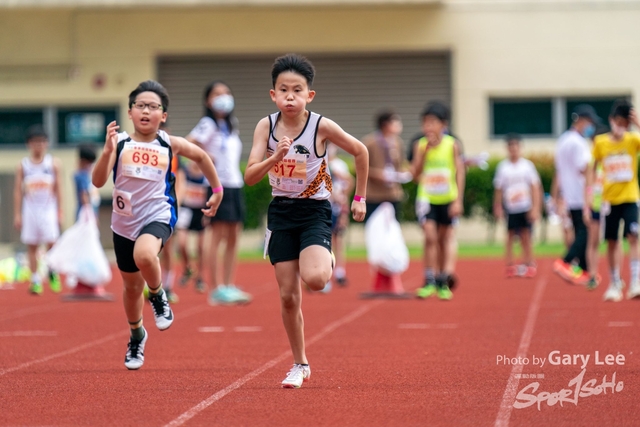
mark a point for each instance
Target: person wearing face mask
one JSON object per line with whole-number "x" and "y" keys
{"x": 617, "y": 152}
{"x": 217, "y": 134}
{"x": 571, "y": 161}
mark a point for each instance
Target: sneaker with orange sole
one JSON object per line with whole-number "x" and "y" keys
{"x": 563, "y": 270}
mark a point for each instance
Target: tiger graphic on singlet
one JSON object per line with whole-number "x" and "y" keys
{"x": 302, "y": 173}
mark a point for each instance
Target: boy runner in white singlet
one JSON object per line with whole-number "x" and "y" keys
{"x": 37, "y": 208}
{"x": 291, "y": 146}
{"x": 144, "y": 204}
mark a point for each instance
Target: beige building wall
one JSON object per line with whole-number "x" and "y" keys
{"x": 498, "y": 49}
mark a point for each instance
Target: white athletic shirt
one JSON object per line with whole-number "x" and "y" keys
{"x": 515, "y": 181}
{"x": 224, "y": 147}
{"x": 143, "y": 185}
{"x": 302, "y": 173}
{"x": 37, "y": 184}
{"x": 572, "y": 158}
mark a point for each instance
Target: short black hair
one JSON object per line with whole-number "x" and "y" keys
{"x": 512, "y": 136}
{"x": 35, "y": 131}
{"x": 87, "y": 152}
{"x": 384, "y": 117}
{"x": 437, "y": 109}
{"x": 296, "y": 64}
{"x": 150, "y": 86}
{"x": 621, "y": 108}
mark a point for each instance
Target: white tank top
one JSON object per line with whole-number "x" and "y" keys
{"x": 144, "y": 190}
{"x": 302, "y": 173}
{"x": 37, "y": 185}
{"x": 224, "y": 147}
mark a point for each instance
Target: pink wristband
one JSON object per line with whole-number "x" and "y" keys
{"x": 357, "y": 198}
{"x": 217, "y": 190}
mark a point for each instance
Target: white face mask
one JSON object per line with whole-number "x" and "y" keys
{"x": 223, "y": 104}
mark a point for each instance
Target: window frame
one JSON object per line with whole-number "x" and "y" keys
{"x": 50, "y": 115}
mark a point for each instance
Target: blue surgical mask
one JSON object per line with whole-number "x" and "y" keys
{"x": 589, "y": 130}
{"x": 223, "y": 104}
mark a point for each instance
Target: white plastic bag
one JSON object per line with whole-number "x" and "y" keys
{"x": 386, "y": 250}
{"x": 78, "y": 252}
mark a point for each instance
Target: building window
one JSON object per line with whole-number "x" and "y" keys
{"x": 526, "y": 117}
{"x": 64, "y": 125}
{"x": 542, "y": 118}
{"x": 15, "y": 122}
{"x": 601, "y": 105}
{"x": 83, "y": 125}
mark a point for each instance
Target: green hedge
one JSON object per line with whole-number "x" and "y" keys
{"x": 478, "y": 195}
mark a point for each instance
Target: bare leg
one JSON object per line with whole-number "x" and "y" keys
{"x": 592, "y": 247}
{"x": 32, "y": 257}
{"x": 132, "y": 297}
{"x": 508, "y": 256}
{"x": 315, "y": 267}
{"x": 444, "y": 243}
{"x": 145, "y": 254}
{"x": 291, "y": 307}
{"x": 527, "y": 246}
{"x": 230, "y": 257}
{"x": 430, "y": 242}
{"x": 183, "y": 236}
{"x": 217, "y": 231}
{"x": 614, "y": 255}
{"x": 452, "y": 255}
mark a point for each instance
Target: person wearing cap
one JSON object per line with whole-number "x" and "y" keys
{"x": 572, "y": 160}
{"x": 618, "y": 151}
{"x": 438, "y": 169}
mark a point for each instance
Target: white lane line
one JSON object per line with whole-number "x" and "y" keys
{"x": 186, "y": 416}
{"x": 514, "y": 379}
{"x": 620, "y": 324}
{"x": 30, "y": 310}
{"x": 447, "y": 326}
{"x": 247, "y": 329}
{"x": 211, "y": 329}
{"x": 63, "y": 353}
{"x": 414, "y": 326}
{"x": 29, "y": 334}
{"x": 94, "y": 343}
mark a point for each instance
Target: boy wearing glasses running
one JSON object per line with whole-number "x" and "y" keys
{"x": 144, "y": 204}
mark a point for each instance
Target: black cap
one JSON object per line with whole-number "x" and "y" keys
{"x": 586, "y": 111}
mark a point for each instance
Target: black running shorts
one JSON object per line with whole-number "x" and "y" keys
{"x": 628, "y": 212}
{"x": 123, "y": 247}
{"x": 296, "y": 224}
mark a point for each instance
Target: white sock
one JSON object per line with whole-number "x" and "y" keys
{"x": 634, "y": 266}
{"x": 35, "y": 278}
{"x": 615, "y": 275}
{"x": 340, "y": 272}
{"x": 167, "y": 279}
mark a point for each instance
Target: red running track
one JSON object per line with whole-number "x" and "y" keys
{"x": 374, "y": 363}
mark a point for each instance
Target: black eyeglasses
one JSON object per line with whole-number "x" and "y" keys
{"x": 153, "y": 106}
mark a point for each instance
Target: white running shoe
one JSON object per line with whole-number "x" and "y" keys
{"x": 614, "y": 292}
{"x": 634, "y": 290}
{"x": 296, "y": 376}
{"x": 161, "y": 310}
{"x": 135, "y": 352}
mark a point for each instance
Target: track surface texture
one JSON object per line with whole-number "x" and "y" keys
{"x": 374, "y": 362}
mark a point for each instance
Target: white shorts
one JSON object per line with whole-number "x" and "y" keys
{"x": 39, "y": 228}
